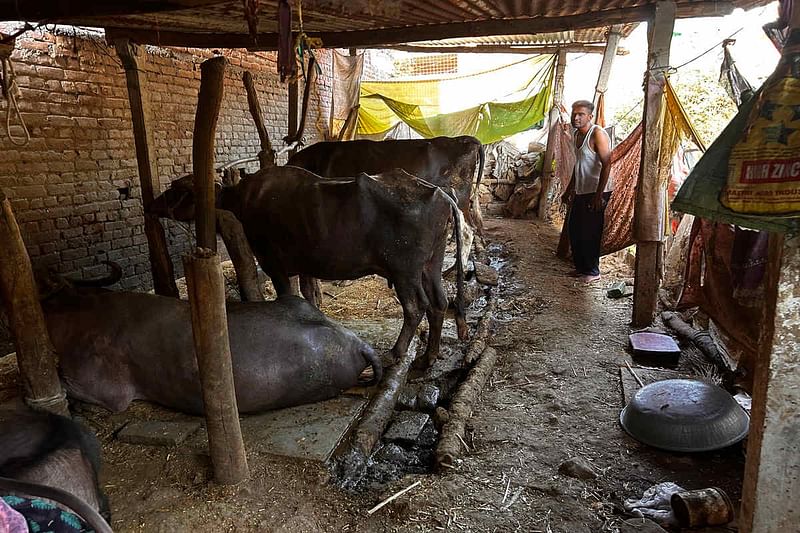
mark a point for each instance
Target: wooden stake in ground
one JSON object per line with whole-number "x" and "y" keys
{"x": 35, "y": 353}
{"x": 450, "y": 441}
{"x": 207, "y": 293}
{"x": 649, "y": 210}
{"x": 772, "y": 470}
{"x": 552, "y": 124}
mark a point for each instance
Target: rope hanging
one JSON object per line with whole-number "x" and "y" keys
{"x": 10, "y": 91}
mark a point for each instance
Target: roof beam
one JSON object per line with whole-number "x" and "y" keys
{"x": 575, "y": 48}
{"x": 427, "y": 32}
{"x": 60, "y": 11}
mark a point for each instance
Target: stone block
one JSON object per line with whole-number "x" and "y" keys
{"x": 406, "y": 426}
{"x": 157, "y": 433}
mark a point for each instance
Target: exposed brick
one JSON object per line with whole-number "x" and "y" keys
{"x": 63, "y": 183}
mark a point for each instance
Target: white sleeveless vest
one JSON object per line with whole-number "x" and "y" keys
{"x": 588, "y": 166}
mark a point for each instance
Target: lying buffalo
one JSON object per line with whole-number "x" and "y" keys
{"x": 115, "y": 347}
{"x": 392, "y": 224}
{"x": 49, "y": 456}
{"x": 444, "y": 161}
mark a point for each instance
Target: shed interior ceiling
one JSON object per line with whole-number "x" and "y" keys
{"x": 350, "y": 22}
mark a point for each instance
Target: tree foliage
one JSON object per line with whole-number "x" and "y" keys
{"x": 705, "y": 101}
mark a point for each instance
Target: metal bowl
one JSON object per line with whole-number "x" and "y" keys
{"x": 684, "y": 415}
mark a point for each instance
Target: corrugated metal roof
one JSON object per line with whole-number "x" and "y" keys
{"x": 587, "y": 36}
{"x": 345, "y": 22}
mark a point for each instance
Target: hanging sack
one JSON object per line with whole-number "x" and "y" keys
{"x": 764, "y": 166}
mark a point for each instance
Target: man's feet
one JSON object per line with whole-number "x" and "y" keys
{"x": 574, "y": 274}
{"x": 589, "y": 278}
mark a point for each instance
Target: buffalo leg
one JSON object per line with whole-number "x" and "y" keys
{"x": 437, "y": 307}
{"x": 311, "y": 290}
{"x": 280, "y": 280}
{"x": 411, "y": 296}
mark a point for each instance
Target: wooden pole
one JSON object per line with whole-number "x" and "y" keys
{"x": 552, "y": 123}
{"x": 36, "y": 356}
{"x": 141, "y": 116}
{"x": 292, "y": 123}
{"x": 241, "y": 255}
{"x": 612, "y": 45}
{"x": 772, "y": 469}
{"x": 266, "y": 156}
{"x": 650, "y": 204}
{"x": 207, "y": 293}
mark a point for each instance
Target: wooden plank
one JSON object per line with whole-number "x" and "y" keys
{"x": 611, "y": 49}
{"x": 772, "y": 469}
{"x": 141, "y": 116}
{"x": 207, "y": 292}
{"x": 52, "y": 10}
{"x": 650, "y": 206}
{"x": 36, "y": 356}
{"x": 501, "y": 49}
{"x": 552, "y": 121}
{"x": 427, "y": 32}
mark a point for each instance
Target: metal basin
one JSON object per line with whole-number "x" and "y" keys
{"x": 684, "y": 415}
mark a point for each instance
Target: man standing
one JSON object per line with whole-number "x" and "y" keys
{"x": 591, "y": 188}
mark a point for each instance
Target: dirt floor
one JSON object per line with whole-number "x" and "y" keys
{"x": 555, "y": 394}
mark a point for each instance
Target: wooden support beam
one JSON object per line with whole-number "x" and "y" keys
{"x": 36, "y": 356}
{"x": 611, "y": 49}
{"x": 502, "y": 49}
{"x": 552, "y": 123}
{"x": 426, "y": 32}
{"x": 57, "y": 9}
{"x": 772, "y": 469}
{"x": 311, "y": 76}
{"x": 142, "y": 118}
{"x": 650, "y": 208}
{"x": 267, "y": 156}
{"x": 207, "y": 292}
{"x": 293, "y": 109}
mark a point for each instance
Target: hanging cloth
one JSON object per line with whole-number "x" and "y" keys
{"x": 525, "y": 91}
{"x": 730, "y": 78}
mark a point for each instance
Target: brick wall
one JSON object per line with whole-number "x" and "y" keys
{"x": 74, "y": 187}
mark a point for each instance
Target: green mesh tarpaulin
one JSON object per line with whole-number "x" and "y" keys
{"x": 496, "y": 103}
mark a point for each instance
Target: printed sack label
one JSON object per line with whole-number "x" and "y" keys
{"x": 764, "y": 166}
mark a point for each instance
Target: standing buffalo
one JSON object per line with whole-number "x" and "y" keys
{"x": 392, "y": 224}
{"x": 115, "y": 347}
{"x": 444, "y": 161}
{"x": 49, "y": 456}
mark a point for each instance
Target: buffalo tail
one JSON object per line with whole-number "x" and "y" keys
{"x": 375, "y": 362}
{"x": 461, "y": 322}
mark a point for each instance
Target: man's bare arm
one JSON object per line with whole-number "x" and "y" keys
{"x": 602, "y": 147}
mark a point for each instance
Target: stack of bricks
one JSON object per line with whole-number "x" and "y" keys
{"x": 74, "y": 186}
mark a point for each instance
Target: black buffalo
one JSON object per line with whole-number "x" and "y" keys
{"x": 115, "y": 347}
{"x": 391, "y": 224}
{"x": 444, "y": 161}
{"x": 51, "y": 456}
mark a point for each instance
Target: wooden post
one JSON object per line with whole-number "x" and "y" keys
{"x": 266, "y": 157}
{"x": 552, "y": 122}
{"x": 141, "y": 116}
{"x": 35, "y": 353}
{"x": 612, "y": 43}
{"x": 292, "y": 124}
{"x": 772, "y": 470}
{"x": 207, "y": 293}
{"x": 649, "y": 209}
